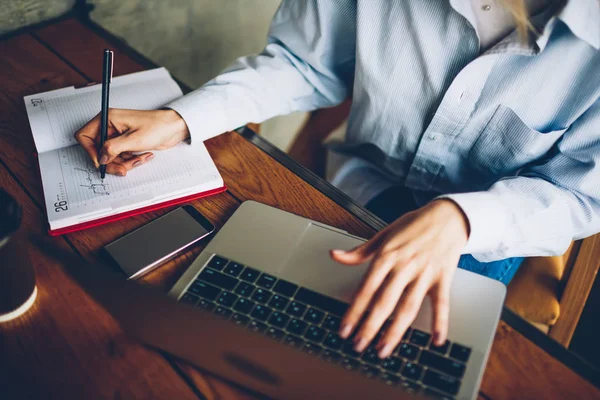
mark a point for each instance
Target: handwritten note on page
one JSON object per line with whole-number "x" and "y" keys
{"x": 73, "y": 190}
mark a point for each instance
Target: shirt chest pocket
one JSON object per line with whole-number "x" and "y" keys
{"x": 507, "y": 144}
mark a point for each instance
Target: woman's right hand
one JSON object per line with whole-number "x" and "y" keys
{"x": 129, "y": 132}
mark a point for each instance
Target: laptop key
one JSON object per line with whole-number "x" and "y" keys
{"x": 257, "y": 326}
{"x": 233, "y": 268}
{"x": 249, "y": 274}
{"x": 275, "y": 333}
{"x": 222, "y": 311}
{"x": 244, "y": 289}
{"x": 261, "y": 312}
{"x": 410, "y": 387}
{"x": 393, "y": 364}
{"x": 293, "y": 341}
{"x": 331, "y": 356}
{"x": 261, "y": 295}
{"x": 369, "y": 371}
{"x": 285, "y": 288}
{"x": 206, "y": 305}
{"x": 315, "y": 334}
{"x": 296, "y": 309}
{"x": 189, "y": 298}
{"x": 444, "y": 383}
{"x": 333, "y": 341}
{"x": 318, "y": 300}
{"x": 461, "y": 353}
{"x": 443, "y": 349}
{"x": 442, "y": 364}
{"x": 314, "y": 316}
{"x": 370, "y": 356}
{"x": 218, "y": 279}
{"x": 240, "y": 319}
{"x": 227, "y": 299}
{"x": 296, "y": 326}
{"x": 205, "y": 290}
{"x": 266, "y": 281}
{"x": 279, "y": 319}
{"x": 350, "y": 363}
{"x": 408, "y": 351}
{"x": 412, "y": 371}
{"x": 332, "y": 323}
{"x": 279, "y": 302}
{"x": 419, "y": 338}
{"x": 311, "y": 348}
{"x": 390, "y": 379}
{"x": 217, "y": 263}
{"x": 244, "y": 306}
{"x": 348, "y": 349}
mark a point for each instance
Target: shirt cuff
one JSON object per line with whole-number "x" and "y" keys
{"x": 203, "y": 113}
{"x": 487, "y": 221}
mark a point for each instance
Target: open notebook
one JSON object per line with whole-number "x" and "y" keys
{"x": 75, "y": 196}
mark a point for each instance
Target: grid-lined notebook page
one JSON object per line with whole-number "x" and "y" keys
{"x": 75, "y": 193}
{"x": 55, "y": 116}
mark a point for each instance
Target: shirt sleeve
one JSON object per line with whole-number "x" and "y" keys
{"x": 546, "y": 206}
{"x": 308, "y": 63}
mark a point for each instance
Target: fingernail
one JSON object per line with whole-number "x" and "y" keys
{"x": 138, "y": 162}
{"x": 360, "y": 345}
{"x": 96, "y": 164}
{"x": 345, "y": 332}
{"x": 437, "y": 339}
{"x": 120, "y": 173}
{"x": 385, "y": 351}
{"x": 103, "y": 159}
{"x": 337, "y": 251}
{"x": 150, "y": 157}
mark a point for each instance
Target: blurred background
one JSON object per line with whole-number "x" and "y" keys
{"x": 193, "y": 39}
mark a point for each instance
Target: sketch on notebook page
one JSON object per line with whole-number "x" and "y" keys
{"x": 96, "y": 188}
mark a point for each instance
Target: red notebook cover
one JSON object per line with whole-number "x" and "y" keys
{"x": 126, "y": 214}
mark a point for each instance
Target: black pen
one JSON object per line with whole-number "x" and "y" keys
{"x": 107, "y": 70}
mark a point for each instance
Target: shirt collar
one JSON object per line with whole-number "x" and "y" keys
{"x": 583, "y": 19}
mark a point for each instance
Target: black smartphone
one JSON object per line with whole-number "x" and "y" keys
{"x": 147, "y": 247}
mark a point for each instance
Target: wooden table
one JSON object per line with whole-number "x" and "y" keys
{"x": 68, "y": 347}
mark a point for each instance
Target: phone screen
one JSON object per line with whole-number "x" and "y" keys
{"x": 145, "y": 248}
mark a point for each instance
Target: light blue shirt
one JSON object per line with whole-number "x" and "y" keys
{"x": 511, "y": 135}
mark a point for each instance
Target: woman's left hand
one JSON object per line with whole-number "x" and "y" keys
{"x": 411, "y": 258}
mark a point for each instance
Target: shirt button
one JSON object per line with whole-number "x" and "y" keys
{"x": 435, "y": 137}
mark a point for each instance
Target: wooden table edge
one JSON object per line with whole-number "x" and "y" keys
{"x": 550, "y": 346}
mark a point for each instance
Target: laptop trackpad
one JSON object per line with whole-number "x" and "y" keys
{"x": 311, "y": 266}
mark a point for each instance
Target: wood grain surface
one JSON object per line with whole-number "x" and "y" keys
{"x": 577, "y": 290}
{"x": 68, "y": 347}
{"x": 71, "y": 348}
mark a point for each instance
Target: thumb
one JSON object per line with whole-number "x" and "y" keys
{"x": 356, "y": 256}
{"x": 115, "y": 146}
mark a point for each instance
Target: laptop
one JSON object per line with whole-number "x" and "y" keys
{"x": 261, "y": 307}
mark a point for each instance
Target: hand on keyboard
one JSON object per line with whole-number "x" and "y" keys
{"x": 309, "y": 321}
{"x": 414, "y": 256}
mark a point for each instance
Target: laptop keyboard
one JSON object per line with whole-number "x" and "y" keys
{"x": 309, "y": 321}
